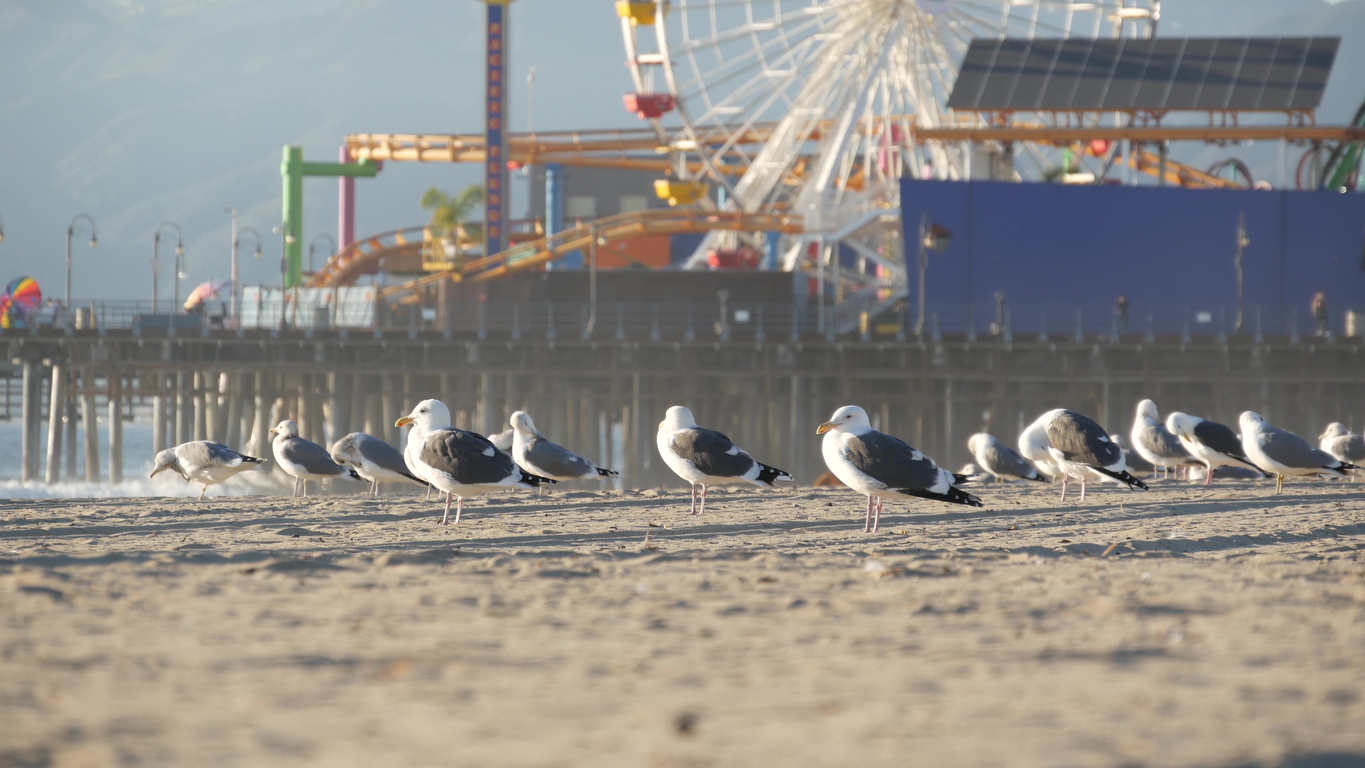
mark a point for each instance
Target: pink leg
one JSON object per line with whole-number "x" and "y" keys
{"x": 694, "y": 500}
{"x": 459, "y": 507}
{"x": 1065, "y": 478}
{"x": 877, "y": 516}
{"x": 702, "y": 511}
{"x": 447, "y": 514}
{"x": 1208, "y": 477}
{"x": 867, "y": 521}
{"x": 1082, "y": 489}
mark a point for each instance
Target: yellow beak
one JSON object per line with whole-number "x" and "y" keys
{"x": 159, "y": 469}
{"x": 823, "y": 428}
{"x": 403, "y": 422}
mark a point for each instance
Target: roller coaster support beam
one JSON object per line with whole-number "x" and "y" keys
{"x": 554, "y": 214}
{"x": 292, "y": 171}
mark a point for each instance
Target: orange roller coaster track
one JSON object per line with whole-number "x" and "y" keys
{"x": 533, "y": 254}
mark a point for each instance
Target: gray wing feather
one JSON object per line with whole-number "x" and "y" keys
{"x": 711, "y": 452}
{"x": 1162, "y": 442}
{"x": 891, "y": 461}
{"x": 1291, "y": 450}
{"x": 312, "y": 457}
{"x": 202, "y": 453}
{"x": 1349, "y": 448}
{"x": 1083, "y": 441}
{"x": 382, "y": 454}
{"x": 558, "y": 461}
{"x": 465, "y": 457}
{"x": 1002, "y": 461}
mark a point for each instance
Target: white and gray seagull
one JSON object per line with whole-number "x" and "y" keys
{"x": 458, "y": 462}
{"x": 1033, "y": 446}
{"x": 1281, "y": 452}
{"x": 706, "y": 457}
{"x": 533, "y": 453}
{"x": 1000, "y": 461}
{"x": 882, "y": 467}
{"x": 1155, "y": 443}
{"x": 204, "y": 462}
{"x": 1342, "y": 443}
{"x": 1080, "y": 448}
{"x": 1214, "y": 444}
{"x": 373, "y": 459}
{"x": 304, "y": 460}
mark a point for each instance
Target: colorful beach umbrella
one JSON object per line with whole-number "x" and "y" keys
{"x": 205, "y": 291}
{"x": 19, "y": 303}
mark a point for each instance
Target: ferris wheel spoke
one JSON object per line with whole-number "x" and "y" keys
{"x": 974, "y": 11}
{"x": 702, "y": 76}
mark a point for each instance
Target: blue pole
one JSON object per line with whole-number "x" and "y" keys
{"x": 554, "y": 214}
{"x": 770, "y": 263}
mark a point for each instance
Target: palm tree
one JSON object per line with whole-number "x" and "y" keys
{"x": 448, "y": 212}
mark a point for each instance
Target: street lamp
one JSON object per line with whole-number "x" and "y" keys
{"x": 236, "y": 243}
{"x": 932, "y": 237}
{"x": 156, "y": 257}
{"x": 313, "y": 244}
{"x": 286, "y": 240}
{"x": 94, "y": 243}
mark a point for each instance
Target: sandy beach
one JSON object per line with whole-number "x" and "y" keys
{"x": 1182, "y": 627}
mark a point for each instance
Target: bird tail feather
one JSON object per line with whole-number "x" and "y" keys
{"x": 770, "y": 475}
{"x": 1122, "y": 477}
{"x": 952, "y": 496}
{"x": 253, "y": 460}
{"x": 608, "y": 472}
{"x": 354, "y": 474}
{"x": 535, "y": 481}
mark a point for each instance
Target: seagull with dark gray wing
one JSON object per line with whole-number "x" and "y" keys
{"x": 204, "y": 462}
{"x": 1155, "y": 443}
{"x": 373, "y": 459}
{"x": 1081, "y": 449}
{"x": 706, "y": 457}
{"x": 882, "y": 467}
{"x": 539, "y": 456}
{"x": 458, "y": 462}
{"x": 1000, "y": 461}
{"x": 1214, "y": 444}
{"x": 304, "y": 460}
{"x": 1342, "y": 443}
{"x": 1282, "y": 453}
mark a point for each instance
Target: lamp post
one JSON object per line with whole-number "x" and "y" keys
{"x": 314, "y": 243}
{"x": 1242, "y": 242}
{"x": 94, "y": 243}
{"x": 236, "y": 243}
{"x": 286, "y": 240}
{"x": 931, "y": 238}
{"x": 156, "y": 255}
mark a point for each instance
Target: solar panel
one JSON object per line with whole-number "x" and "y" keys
{"x": 1076, "y": 74}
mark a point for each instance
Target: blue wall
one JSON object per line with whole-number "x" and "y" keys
{"x": 1060, "y": 244}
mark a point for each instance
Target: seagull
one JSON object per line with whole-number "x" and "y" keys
{"x": 1154, "y": 442}
{"x": 1079, "y": 448}
{"x": 539, "y": 456}
{"x": 883, "y": 467}
{"x": 373, "y": 459}
{"x": 1033, "y": 446}
{"x": 1342, "y": 443}
{"x": 1132, "y": 458}
{"x": 1000, "y": 461}
{"x": 458, "y": 462}
{"x": 203, "y": 462}
{"x": 706, "y": 457}
{"x": 303, "y": 459}
{"x": 1281, "y": 453}
{"x": 503, "y": 440}
{"x": 1214, "y": 444}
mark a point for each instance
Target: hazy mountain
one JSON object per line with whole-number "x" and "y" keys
{"x": 140, "y": 112}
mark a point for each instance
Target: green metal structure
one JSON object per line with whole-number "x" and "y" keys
{"x": 293, "y": 170}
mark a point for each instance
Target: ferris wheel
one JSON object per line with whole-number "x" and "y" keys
{"x": 811, "y": 105}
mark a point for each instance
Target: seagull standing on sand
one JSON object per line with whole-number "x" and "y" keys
{"x": 1080, "y": 448}
{"x": 1154, "y": 442}
{"x": 539, "y": 456}
{"x": 883, "y": 467}
{"x": 304, "y": 460}
{"x": 706, "y": 457}
{"x": 1281, "y": 453}
{"x": 373, "y": 459}
{"x": 1216, "y": 445}
{"x": 1033, "y": 446}
{"x": 458, "y": 462}
{"x": 1000, "y": 461}
{"x": 1342, "y": 443}
{"x": 203, "y": 462}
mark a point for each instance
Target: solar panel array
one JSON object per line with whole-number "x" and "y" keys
{"x": 1200, "y": 73}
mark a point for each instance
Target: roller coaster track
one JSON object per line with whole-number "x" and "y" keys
{"x": 363, "y": 255}
{"x": 532, "y": 254}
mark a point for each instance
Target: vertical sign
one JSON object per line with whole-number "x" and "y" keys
{"x": 495, "y": 138}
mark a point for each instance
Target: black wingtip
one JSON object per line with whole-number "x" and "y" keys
{"x": 770, "y": 475}
{"x": 608, "y": 472}
{"x": 1038, "y": 478}
{"x": 354, "y": 474}
{"x": 1122, "y": 477}
{"x": 253, "y": 460}
{"x": 536, "y": 480}
{"x": 953, "y": 496}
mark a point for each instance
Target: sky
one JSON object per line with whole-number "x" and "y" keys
{"x": 138, "y": 112}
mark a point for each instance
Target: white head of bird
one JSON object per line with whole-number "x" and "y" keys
{"x": 428, "y": 414}
{"x": 850, "y": 418}
{"x": 1249, "y": 420}
{"x": 286, "y": 428}
{"x": 164, "y": 461}
{"x": 1181, "y": 424}
{"x": 979, "y": 439}
{"x": 1146, "y": 410}
{"x": 678, "y": 417}
{"x": 1335, "y": 429}
{"x": 521, "y": 422}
